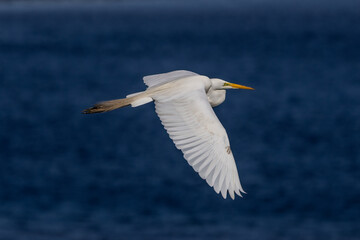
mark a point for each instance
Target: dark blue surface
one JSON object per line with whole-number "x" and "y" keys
{"x": 64, "y": 175}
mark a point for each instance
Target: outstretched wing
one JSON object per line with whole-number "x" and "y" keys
{"x": 157, "y": 79}
{"x": 197, "y": 132}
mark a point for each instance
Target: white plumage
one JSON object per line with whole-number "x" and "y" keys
{"x": 183, "y": 102}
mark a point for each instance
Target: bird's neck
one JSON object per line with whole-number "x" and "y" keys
{"x": 216, "y": 97}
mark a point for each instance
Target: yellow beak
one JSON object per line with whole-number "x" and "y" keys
{"x": 238, "y": 86}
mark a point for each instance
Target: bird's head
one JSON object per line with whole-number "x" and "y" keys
{"x": 219, "y": 84}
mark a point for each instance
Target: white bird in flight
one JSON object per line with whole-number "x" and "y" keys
{"x": 183, "y": 102}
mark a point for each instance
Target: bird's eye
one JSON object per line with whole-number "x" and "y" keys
{"x": 226, "y": 84}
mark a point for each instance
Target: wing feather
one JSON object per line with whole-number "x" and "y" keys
{"x": 193, "y": 126}
{"x": 157, "y": 79}
{"x": 216, "y": 173}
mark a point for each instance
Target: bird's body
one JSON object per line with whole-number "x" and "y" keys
{"x": 183, "y": 102}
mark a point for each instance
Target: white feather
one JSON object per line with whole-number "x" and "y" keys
{"x": 141, "y": 101}
{"x": 195, "y": 129}
{"x": 156, "y": 79}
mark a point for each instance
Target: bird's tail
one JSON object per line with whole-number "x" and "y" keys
{"x": 107, "y": 106}
{"x": 135, "y": 99}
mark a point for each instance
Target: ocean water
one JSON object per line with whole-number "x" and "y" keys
{"x": 64, "y": 175}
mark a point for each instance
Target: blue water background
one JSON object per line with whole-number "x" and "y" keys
{"x": 296, "y": 139}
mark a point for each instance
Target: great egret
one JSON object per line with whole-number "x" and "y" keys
{"x": 184, "y": 101}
